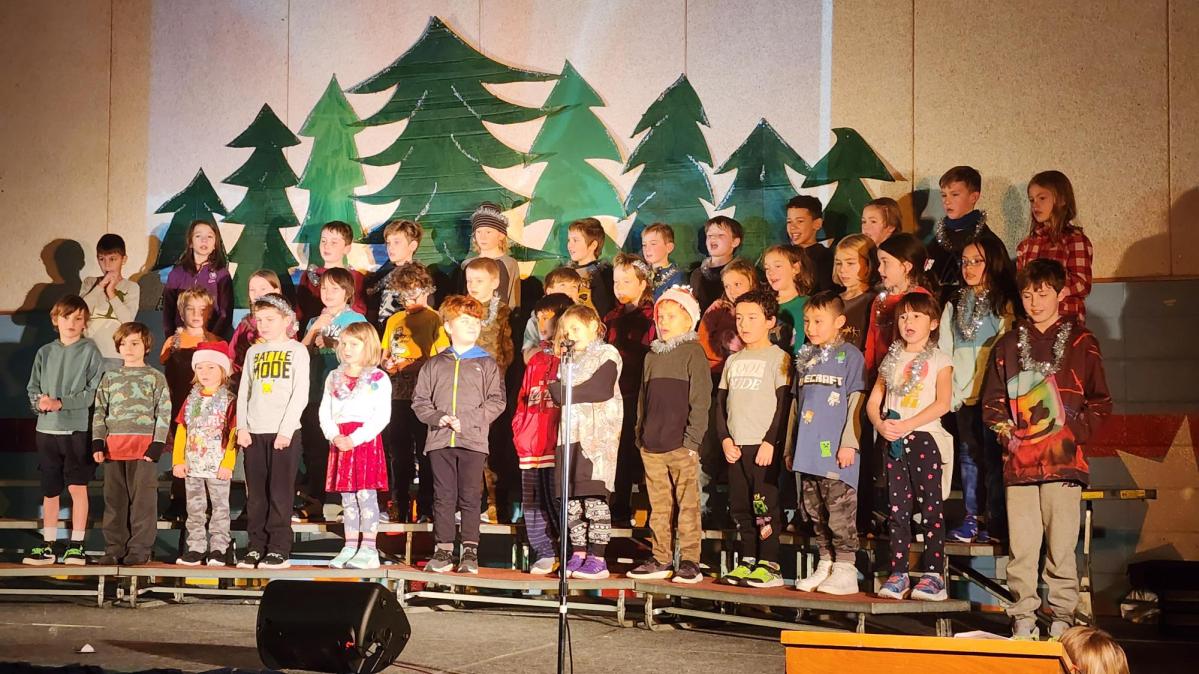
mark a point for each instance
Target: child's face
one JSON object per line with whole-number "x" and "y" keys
{"x": 847, "y": 268}
{"x": 352, "y": 350}
{"x": 400, "y": 249}
{"x": 915, "y": 327}
{"x": 195, "y": 314}
{"x": 822, "y": 326}
{"x": 577, "y": 247}
{"x": 780, "y": 273}
{"x": 720, "y": 242}
{"x": 110, "y": 262}
{"x": 571, "y": 290}
{"x": 893, "y": 271}
{"x": 132, "y": 350}
{"x": 802, "y": 227}
{"x": 1041, "y": 303}
{"x": 464, "y": 330}
{"x": 735, "y": 284}
{"x": 626, "y": 285}
{"x": 874, "y": 225}
{"x": 209, "y": 375}
{"x": 414, "y": 297}
{"x": 489, "y": 239}
{"x": 974, "y": 265}
{"x": 333, "y": 248}
{"x": 258, "y": 286}
{"x": 1040, "y": 201}
{"x": 958, "y": 200}
{"x": 672, "y": 319}
{"x": 333, "y": 295}
{"x": 203, "y": 241}
{"x": 752, "y": 325}
{"x": 481, "y": 285}
{"x": 655, "y": 249}
{"x": 271, "y": 323}
{"x": 70, "y": 326}
{"x": 545, "y": 324}
{"x": 579, "y": 332}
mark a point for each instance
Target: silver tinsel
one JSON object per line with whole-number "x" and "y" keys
{"x": 891, "y": 362}
{"x": 810, "y": 355}
{"x": 1045, "y": 369}
{"x": 939, "y": 230}
{"x": 967, "y": 325}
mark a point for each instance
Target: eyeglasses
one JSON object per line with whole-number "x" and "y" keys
{"x": 972, "y": 261}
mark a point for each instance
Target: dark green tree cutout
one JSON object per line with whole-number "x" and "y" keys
{"x": 672, "y": 182}
{"x": 761, "y": 189}
{"x": 197, "y": 201}
{"x": 441, "y": 153}
{"x": 332, "y": 171}
{"x": 571, "y": 188}
{"x": 265, "y": 209}
{"x": 848, "y": 162}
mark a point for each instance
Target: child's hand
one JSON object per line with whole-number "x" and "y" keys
{"x": 98, "y": 457}
{"x": 456, "y": 424}
{"x": 732, "y": 453}
{"x": 342, "y": 443}
{"x": 43, "y": 403}
{"x": 282, "y": 441}
{"x": 891, "y": 429}
{"x": 319, "y": 341}
{"x": 55, "y": 405}
{"x": 846, "y": 456}
{"x": 243, "y": 438}
{"x": 765, "y": 454}
{"x": 179, "y": 470}
{"x": 224, "y": 473}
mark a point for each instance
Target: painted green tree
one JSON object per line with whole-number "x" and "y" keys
{"x": 760, "y": 191}
{"x": 264, "y": 210}
{"x": 442, "y": 151}
{"x": 197, "y": 201}
{"x": 570, "y": 187}
{"x": 848, "y": 162}
{"x": 673, "y": 180}
{"x": 332, "y": 171}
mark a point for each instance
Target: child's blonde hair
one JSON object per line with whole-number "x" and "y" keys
{"x": 1094, "y": 651}
{"x": 863, "y": 247}
{"x": 641, "y": 269}
{"x": 411, "y": 230}
{"x": 585, "y": 315}
{"x": 198, "y": 294}
{"x": 270, "y": 277}
{"x": 795, "y": 255}
{"x": 364, "y": 332}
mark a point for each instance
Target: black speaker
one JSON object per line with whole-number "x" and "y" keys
{"x": 330, "y": 626}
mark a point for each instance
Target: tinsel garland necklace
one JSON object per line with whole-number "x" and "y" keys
{"x": 939, "y": 230}
{"x": 894, "y": 353}
{"x": 967, "y": 324}
{"x": 1045, "y": 369}
{"x": 810, "y": 355}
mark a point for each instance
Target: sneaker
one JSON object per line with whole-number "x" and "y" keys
{"x": 251, "y": 560}
{"x": 574, "y": 563}
{"x": 896, "y": 587}
{"x": 42, "y": 555}
{"x": 469, "y": 563}
{"x": 651, "y": 569}
{"x": 592, "y": 568}
{"x": 543, "y": 566}
{"x": 191, "y": 558}
{"x": 442, "y": 561}
{"x": 108, "y": 560}
{"x": 74, "y": 554}
{"x": 737, "y": 576}
{"x": 930, "y": 588}
{"x": 217, "y": 557}
{"x": 967, "y": 531}
{"x": 1026, "y": 629}
{"x": 136, "y": 559}
{"x": 1057, "y": 628}
{"x": 688, "y": 573}
{"x": 842, "y": 580}
{"x": 347, "y": 553}
{"x": 765, "y": 574}
{"x": 823, "y": 568}
{"x": 274, "y": 560}
{"x": 984, "y": 537}
{"x": 365, "y": 558}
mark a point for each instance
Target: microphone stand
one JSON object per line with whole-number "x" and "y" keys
{"x": 567, "y": 367}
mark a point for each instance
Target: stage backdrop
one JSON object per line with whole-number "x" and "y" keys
{"x": 271, "y": 116}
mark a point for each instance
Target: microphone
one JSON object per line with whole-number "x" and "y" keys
{"x": 568, "y": 344}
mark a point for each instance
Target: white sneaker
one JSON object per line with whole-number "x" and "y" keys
{"x": 365, "y": 558}
{"x": 347, "y": 553}
{"x": 543, "y": 566}
{"x": 842, "y": 580}
{"x": 809, "y": 584}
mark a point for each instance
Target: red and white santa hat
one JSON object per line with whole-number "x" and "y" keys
{"x": 682, "y": 296}
{"x": 216, "y": 353}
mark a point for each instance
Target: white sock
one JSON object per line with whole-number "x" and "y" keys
{"x": 77, "y": 536}
{"x": 50, "y": 534}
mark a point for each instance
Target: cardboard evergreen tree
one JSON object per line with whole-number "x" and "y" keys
{"x": 673, "y": 180}
{"x": 571, "y": 188}
{"x": 761, "y": 189}
{"x": 332, "y": 171}
{"x": 264, "y": 210}
{"x": 848, "y": 162}
{"x": 197, "y": 201}
{"x": 442, "y": 152}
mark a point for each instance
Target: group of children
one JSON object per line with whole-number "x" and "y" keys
{"x": 824, "y": 378}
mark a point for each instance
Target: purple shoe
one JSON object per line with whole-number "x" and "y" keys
{"x": 593, "y": 568}
{"x": 573, "y": 564}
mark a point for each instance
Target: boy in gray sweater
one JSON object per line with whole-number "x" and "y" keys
{"x": 61, "y": 388}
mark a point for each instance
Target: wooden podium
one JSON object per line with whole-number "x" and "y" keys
{"x": 825, "y": 652}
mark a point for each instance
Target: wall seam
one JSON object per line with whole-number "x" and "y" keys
{"x": 108, "y": 144}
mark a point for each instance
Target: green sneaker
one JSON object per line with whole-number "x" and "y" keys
{"x": 42, "y": 555}
{"x": 738, "y": 575}
{"x": 74, "y": 554}
{"x": 765, "y": 574}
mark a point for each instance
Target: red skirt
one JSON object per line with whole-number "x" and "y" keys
{"x": 364, "y": 467}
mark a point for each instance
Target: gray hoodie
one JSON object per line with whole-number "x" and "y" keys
{"x": 469, "y": 386}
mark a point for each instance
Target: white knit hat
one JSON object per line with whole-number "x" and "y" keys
{"x": 216, "y": 353}
{"x": 682, "y": 295}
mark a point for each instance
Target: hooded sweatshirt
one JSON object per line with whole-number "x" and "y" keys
{"x": 467, "y": 385}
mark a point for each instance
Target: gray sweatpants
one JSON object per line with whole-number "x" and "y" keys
{"x": 1047, "y": 511}
{"x": 200, "y": 492}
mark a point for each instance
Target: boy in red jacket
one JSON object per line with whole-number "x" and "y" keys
{"x": 1045, "y": 397}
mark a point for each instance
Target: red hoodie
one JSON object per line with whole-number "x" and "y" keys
{"x": 535, "y": 422}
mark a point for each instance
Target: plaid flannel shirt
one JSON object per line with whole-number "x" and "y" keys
{"x": 1073, "y": 249}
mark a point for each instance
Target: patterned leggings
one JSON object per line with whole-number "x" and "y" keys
{"x": 914, "y": 485}
{"x": 360, "y": 514}
{"x": 541, "y": 517}
{"x": 590, "y": 524}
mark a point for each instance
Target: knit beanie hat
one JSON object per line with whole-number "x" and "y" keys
{"x": 216, "y": 353}
{"x": 683, "y": 296}
{"x": 488, "y": 215}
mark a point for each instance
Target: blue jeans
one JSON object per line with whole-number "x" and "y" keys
{"x": 980, "y": 462}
